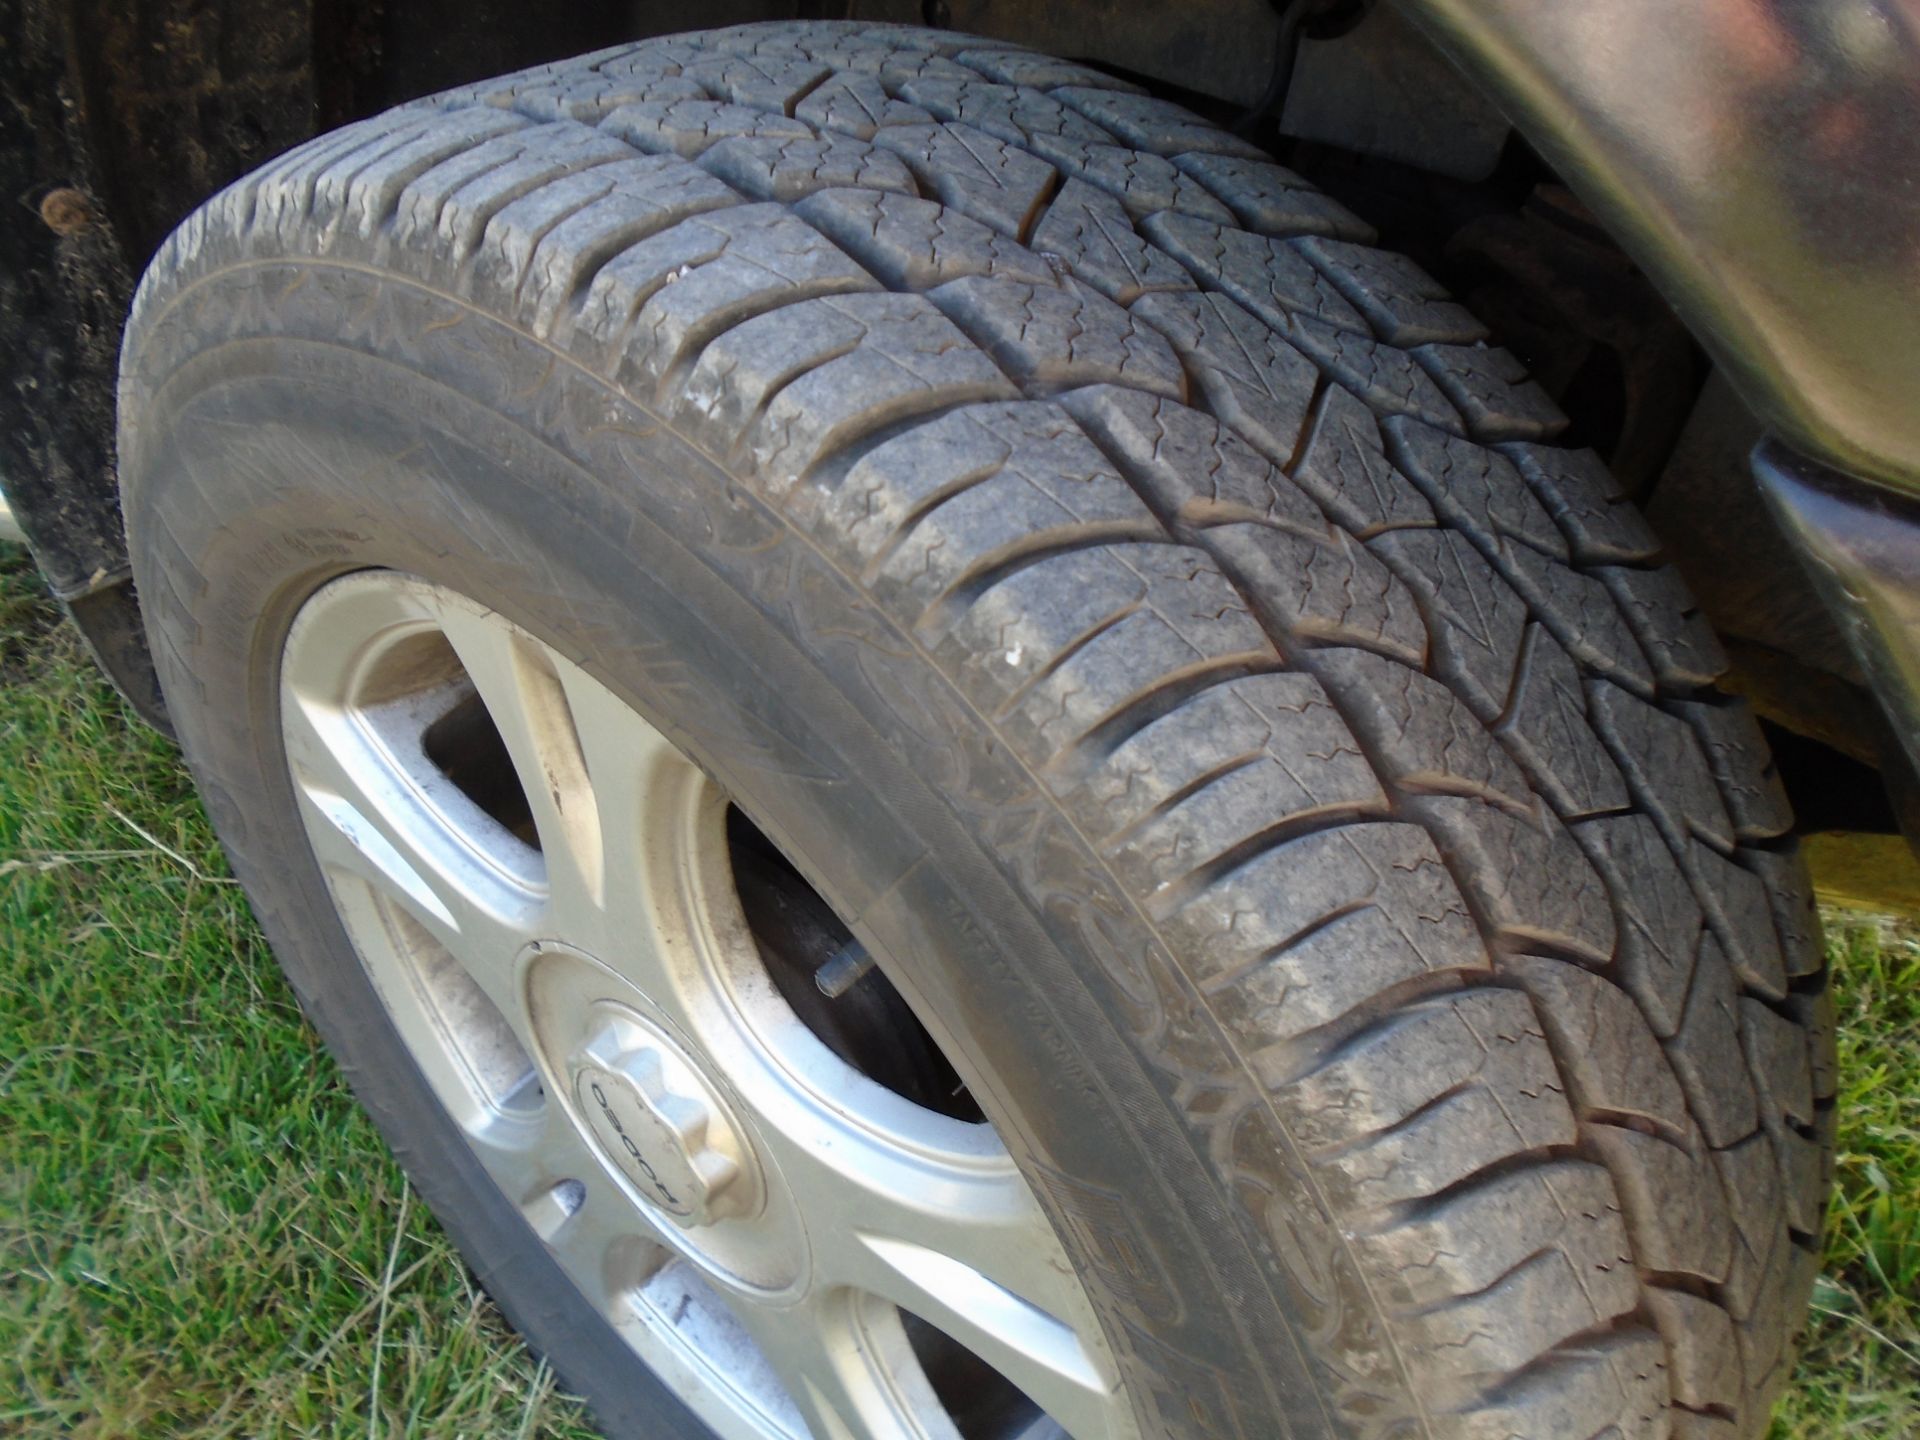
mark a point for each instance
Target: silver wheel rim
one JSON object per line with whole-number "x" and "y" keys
{"x": 580, "y": 988}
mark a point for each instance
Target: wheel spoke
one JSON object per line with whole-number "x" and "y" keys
{"x": 518, "y": 682}
{"x": 598, "y": 1235}
{"x": 852, "y": 1376}
{"x": 613, "y": 800}
{"x": 1041, "y": 1353}
{"x": 366, "y": 817}
{"x": 649, "y": 799}
{"x": 963, "y": 1245}
{"x": 528, "y": 1159}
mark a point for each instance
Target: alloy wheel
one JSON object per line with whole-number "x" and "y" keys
{"x": 726, "y": 1125}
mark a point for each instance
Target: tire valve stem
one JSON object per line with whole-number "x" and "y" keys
{"x": 843, "y": 970}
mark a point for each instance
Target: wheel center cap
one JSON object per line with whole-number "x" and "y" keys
{"x": 659, "y": 1124}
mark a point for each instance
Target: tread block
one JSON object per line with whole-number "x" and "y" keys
{"x": 1664, "y": 765}
{"x": 1267, "y": 276}
{"x": 1039, "y": 72}
{"x": 778, "y": 167}
{"x": 1601, "y": 525}
{"x": 1541, "y": 1304}
{"x": 1090, "y": 234}
{"x": 998, "y": 184}
{"x": 1707, "y": 1056}
{"x": 779, "y": 41}
{"x": 1345, "y": 467}
{"x": 1416, "y": 1057}
{"x": 899, "y": 65}
{"x": 856, "y": 105}
{"x": 1304, "y": 932}
{"x": 668, "y": 294}
{"x": 1814, "y": 1013}
{"x": 1007, "y": 112}
{"x": 893, "y": 54}
{"x": 1185, "y": 619}
{"x": 1019, "y": 480}
{"x": 1671, "y": 1195}
{"x": 1613, "y": 1387}
{"x": 1475, "y": 488}
{"x": 800, "y": 376}
{"x": 1790, "y": 897}
{"x": 1305, "y": 577}
{"x": 1474, "y": 617}
{"x": 1417, "y": 730}
{"x": 1668, "y": 624}
{"x": 1735, "y": 900}
{"x": 565, "y": 97}
{"x": 1465, "y": 1243}
{"x": 1702, "y": 1350}
{"x": 1271, "y": 199}
{"x": 1763, "y": 1335}
{"x": 1111, "y": 674}
{"x": 1446, "y": 1088}
{"x": 1530, "y": 877}
{"x": 1281, "y": 724}
{"x": 1190, "y": 468}
{"x": 580, "y": 250}
{"x": 1657, "y": 914}
{"x": 1330, "y": 591}
{"x": 1689, "y": 1426}
{"x": 913, "y": 244}
{"x": 1581, "y": 613}
{"x": 1611, "y": 1059}
{"x": 896, "y": 36}
{"x": 648, "y": 58}
{"x": 1143, "y": 184}
{"x": 354, "y": 198}
{"x": 284, "y": 188}
{"x": 1042, "y": 472}
{"x": 1239, "y": 808}
{"x": 1608, "y": 1389}
{"x": 1750, "y": 1176}
{"x": 444, "y": 211}
{"x": 687, "y": 127}
{"x": 1546, "y": 727}
{"x": 1251, "y": 378}
{"x": 1737, "y": 754}
{"x": 1404, "y": 305}
{"x": 763, "y": 82}
{"x": 1777, "y": 1055}
{"x": 1491, "y": 388}
{"x": 1574, "y": 607}
{"x": 1152, "y": 124}
{"x": 1020, "y": 629}
{"x": 1384, "y": 376}
{"x": 1803, "y": 1175}
{"x": 1057, "y": 337}
{"x": 503, "y": 261}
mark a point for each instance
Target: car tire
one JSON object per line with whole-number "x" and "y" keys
{"x": 1293, "y": 787}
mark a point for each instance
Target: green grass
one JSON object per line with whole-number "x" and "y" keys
{"x": 200, "y": 1234}
{"x": 1860, "y": 1373}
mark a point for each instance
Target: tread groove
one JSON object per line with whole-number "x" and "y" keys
{"x": 1177, "y": 892}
